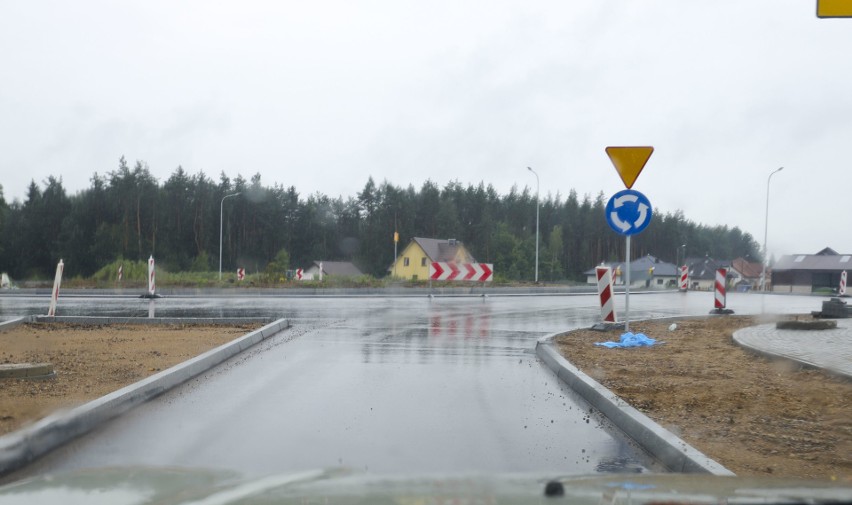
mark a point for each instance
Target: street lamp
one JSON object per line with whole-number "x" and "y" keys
{"x": 766, "y": 229}
{"x": 221, "y": 207}
{"x": 536, "y": 222}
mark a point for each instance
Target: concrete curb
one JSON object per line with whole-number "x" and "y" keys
{"x": 670, "y": 450}
{"x": 11, "y": 323}
{"x": 21, "y": 447}
{"x": 98, "y": 320}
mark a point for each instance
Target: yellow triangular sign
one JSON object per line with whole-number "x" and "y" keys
{"x": 629, "y": 161}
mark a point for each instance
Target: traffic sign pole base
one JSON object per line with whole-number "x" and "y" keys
{"x": 608, "y": 326}
{"x": 721, "y": 312}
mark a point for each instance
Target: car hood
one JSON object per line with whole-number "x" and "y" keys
{"x": 125, "y": 486}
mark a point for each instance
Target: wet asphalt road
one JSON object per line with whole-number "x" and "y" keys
{"x": 390, "y": 385}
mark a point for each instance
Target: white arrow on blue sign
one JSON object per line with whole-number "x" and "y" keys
{"x": 628, "y": 212}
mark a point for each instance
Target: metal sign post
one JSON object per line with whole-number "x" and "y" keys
{"x": 628, "y": 212}
{"x": 627, "y": 289}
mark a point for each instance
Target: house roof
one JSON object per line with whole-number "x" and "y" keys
{"x": 442, "y": 249}
{"x": 747, "y": 269}
{"x": 342, "y": 268}
{"x": 639, "y": 268}
{"x": 705, "y": 268}
{"x": 827, "y": 259}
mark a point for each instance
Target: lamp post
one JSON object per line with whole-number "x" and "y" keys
{"x": 766, "y": 230}
{"x": 536, "y": 222}
{"x": 221, "y": 208}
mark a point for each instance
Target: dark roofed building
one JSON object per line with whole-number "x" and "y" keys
{"x": 806, "y": 273}
{"x": 702, "y": 271}
{"x": 646, "y": 271}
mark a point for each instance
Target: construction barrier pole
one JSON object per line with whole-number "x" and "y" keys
{"x": 151, "y": 281}
{"x": 54, "y": 295}
{"x": 604, "y": 276}
{"x": 684, "y": 278}
{"x": 721, "y": 275}
{"x": 842, "y": 290}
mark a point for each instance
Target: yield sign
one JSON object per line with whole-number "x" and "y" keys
{"x": 834, "y": 8}
{"x": 629, "y": 161}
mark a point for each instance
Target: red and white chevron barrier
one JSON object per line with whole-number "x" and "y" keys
{"x": 449, "y": 271}
{"x": 241, "y": 274}
{"x": 721, "y": 275}
{"x": 842, "y": 290}
{"x": 604, "y": 275}
{"x": 683, "y": 283}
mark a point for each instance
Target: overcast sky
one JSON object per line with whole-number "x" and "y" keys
{"x": 323, "y": 94}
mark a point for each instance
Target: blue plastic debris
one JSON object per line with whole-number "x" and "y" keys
{"x": 630, "y": 340}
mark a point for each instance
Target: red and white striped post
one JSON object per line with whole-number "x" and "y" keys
{"x": 842, "y": 290}
{"x": 54, "y": 295}
{"x": 683, "y": 283}
{"x": 241, "y": 274}
{"x": 604, "y": 275}
{"x": 721, "y": 276}
{"x": 120, "y": 272}
{"x": 151, "y": 281}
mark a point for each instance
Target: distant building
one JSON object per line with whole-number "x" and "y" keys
{"x": 645, "y": 272}
{"x": 702, "y": 272}
{"x": 335, "y": 268}
{"x": 413, "y": 262}
{"x": 806, "y": 273}
{"x": 745, "y": 275}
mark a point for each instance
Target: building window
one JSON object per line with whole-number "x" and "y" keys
{"x": 405, "y": 261}
{"x": 423, "y": 261}
{"x": 659, "y": 282}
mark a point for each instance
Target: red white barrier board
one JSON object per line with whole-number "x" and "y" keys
{"x": 241, "y": 274}
{"x": 604, "y": 275}
{"x": 152, "y": 283}
{"x": 449, "y": 271}
{"x": 54, "y": 295}
{"x": 683, "y": 283}
{"x": 720, "y": 297}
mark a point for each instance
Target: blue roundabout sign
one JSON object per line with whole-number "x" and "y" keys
{"x": 628, "y": 212}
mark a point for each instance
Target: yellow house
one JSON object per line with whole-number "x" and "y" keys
{"x": 413, "y": 263}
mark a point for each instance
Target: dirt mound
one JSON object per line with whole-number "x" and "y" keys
{"x": 753, "y": 415}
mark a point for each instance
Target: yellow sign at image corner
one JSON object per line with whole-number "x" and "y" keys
{"x": 629, "y": 161}
{"x": 834, "y": 8}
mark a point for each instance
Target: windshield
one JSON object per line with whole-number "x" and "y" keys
{"x": 267, "y": 238}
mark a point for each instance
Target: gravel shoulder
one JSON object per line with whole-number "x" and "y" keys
{"x": 91, "y": 361}
{"x": 754, "y": 415}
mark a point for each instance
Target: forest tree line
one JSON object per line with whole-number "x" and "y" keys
{"x": 128, "y": 214}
